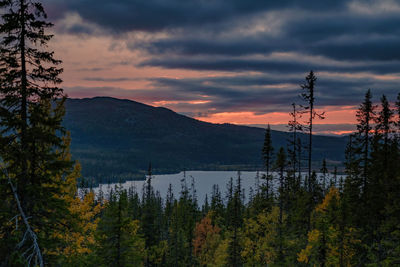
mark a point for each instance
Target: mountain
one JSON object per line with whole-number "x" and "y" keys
{"x": 117, "y": 139}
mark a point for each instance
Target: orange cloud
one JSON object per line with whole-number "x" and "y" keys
{"x": 334, "y": 115}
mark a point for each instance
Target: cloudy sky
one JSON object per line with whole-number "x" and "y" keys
{"x": 236, "y": 61}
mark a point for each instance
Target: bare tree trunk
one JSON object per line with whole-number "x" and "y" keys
{"x": 36, "y": 253}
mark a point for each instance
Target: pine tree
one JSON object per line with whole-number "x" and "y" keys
{"x": 31, "y": 138}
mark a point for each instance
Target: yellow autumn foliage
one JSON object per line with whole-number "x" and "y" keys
{"x": 338, "y": 243}
{"x": 79, "y": 238}
{"x": 260, "y": 238}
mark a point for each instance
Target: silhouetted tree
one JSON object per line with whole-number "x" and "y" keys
{"x": 365, "y": 115}
{"x": 324, "y": 171}
{"x": 148, "y": 220}
{"x": 234, "y": 248}
{"x": 33, "y": 142}
{"x": 308, "y": 95}
{"x": 280, "y": 165}
{"x": 294, "y": 126}
{"x": 384, "y": 126}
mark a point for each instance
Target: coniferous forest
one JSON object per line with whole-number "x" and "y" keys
{"x": 294, "y": 217}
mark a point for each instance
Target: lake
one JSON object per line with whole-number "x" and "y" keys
{"x": 203, "y": 181}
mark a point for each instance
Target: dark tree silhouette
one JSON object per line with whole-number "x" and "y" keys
{"x": 268, "y": 149}
{"x": 308, "y": 95}
{"x": 294, "y": 127}
{"x": 280, "y": 166}
{"x": 365, "y": 115}
{"x": 33, "y": 143}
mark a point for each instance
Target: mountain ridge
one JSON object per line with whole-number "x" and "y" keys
{"x": 117, "y": 138}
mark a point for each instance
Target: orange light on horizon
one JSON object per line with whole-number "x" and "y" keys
{"x": 167, "y": 102}
{"x": 333, "y": 115}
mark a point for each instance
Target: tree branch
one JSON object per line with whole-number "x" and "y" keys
{"x": 36, "y": 253}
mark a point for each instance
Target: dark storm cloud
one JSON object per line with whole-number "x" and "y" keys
{"x": 336, "y": 36}
{"x": 325, "y": 28}
{"x": 222, "y": 36}
{"x": 156, "y": 15}
{"x": 227, "y": 95}
{"x": 269, "y": 65}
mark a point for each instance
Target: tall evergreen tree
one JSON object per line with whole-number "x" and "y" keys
{"x": 384, "y": 126}
{"x": 235, "y": 248}
{"x": 118, "y": 240}
{"x": 280, "y": 166}
{"x": 294, "y": 127}
{"x": 148, "y": 221}
{"x": 267, "y": 149}
{"x": 365, "y": 115}
{"x": 308, "y": 95}
{"x": 31, "y": 136}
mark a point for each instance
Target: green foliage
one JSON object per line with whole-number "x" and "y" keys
{"x": 261, "y": 238}
{"x": 118, "y": 242}
{"x": 34, "y": 148}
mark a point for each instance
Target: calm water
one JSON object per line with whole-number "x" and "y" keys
{"x": 203, "y": 180}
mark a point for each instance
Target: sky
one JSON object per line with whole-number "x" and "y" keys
{"x": 230, "y": 61}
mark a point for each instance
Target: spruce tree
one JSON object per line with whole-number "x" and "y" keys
{"x": 217, "y": 205}
{"x": 148, "y": 220}
{"x": 235, "y": 248}
{"x": 118, "y": 240}
{"x": 267, "y": 153}
{"x": 365, "y": 115}
{"x": 32, "y": 138}
{"x": 384, "y": 126}
{"x": 280, "y": 166}
{"x": 267, "y": 150}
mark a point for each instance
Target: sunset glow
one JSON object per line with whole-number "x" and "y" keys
{"x": 235, "y": 69}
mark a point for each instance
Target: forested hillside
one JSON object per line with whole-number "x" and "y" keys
{"x": 116, "y": 139}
